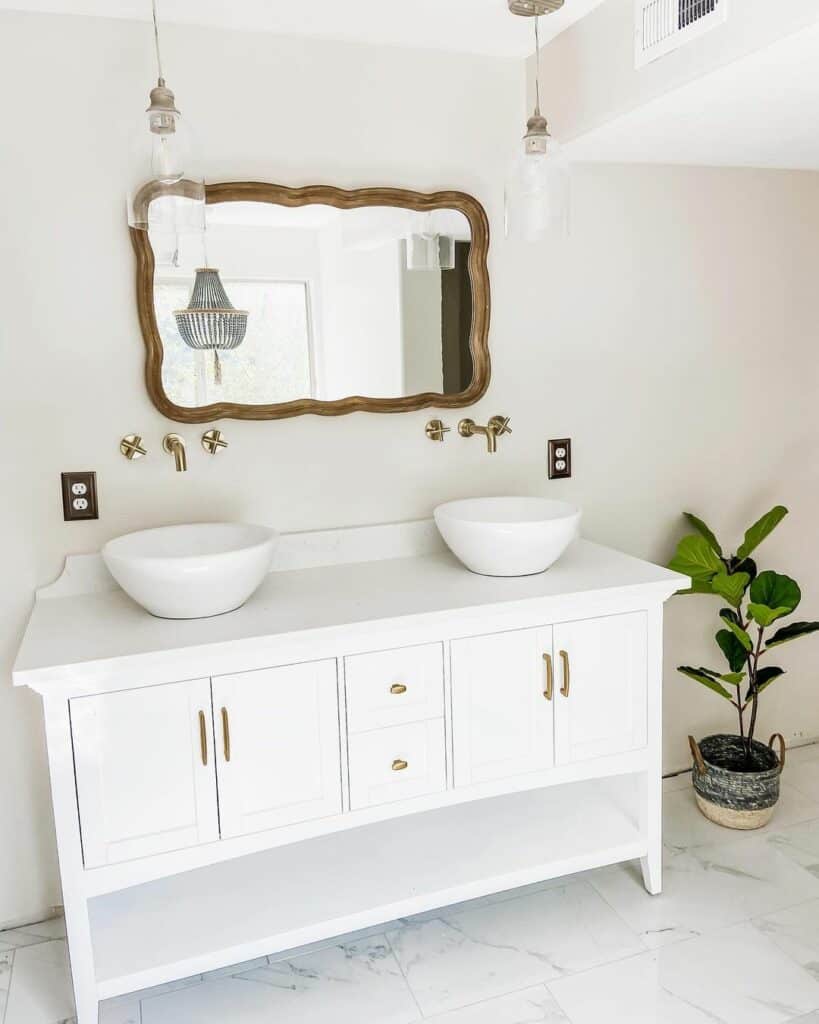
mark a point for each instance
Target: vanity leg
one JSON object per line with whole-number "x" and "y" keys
{"x": 651, "y": 782}
{"x": 69, "y": 848}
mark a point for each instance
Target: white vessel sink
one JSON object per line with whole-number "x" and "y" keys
{"x": 190, "y": 572}
{"x": 507, "y": 536}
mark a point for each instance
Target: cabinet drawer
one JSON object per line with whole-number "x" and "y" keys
{"x": 398, "y": 763}
{"x": 393, "y": 687}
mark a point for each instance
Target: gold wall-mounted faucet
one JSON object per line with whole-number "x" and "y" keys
{"x": 495, "y": 428}
{"x": 435, "y": 430}
{"x": 174, "y": 445}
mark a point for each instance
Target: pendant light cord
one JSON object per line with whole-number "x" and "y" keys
{"x": 156, "y": 44}
{"x": 537, "y": 64}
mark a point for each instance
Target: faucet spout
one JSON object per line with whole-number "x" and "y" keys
{"x": 175, "y": 445}
{"x": 495, "y": 428}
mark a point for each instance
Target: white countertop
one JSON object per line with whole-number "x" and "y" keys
{"x": 104, "y": 632}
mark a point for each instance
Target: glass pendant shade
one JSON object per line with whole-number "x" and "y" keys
{"x": 537, "y": 192}
{"x": 537, "y": 183}
{"x": 428, "y": 248}
{"x": 168, "y": 194}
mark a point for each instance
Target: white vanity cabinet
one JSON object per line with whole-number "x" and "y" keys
{"x": 277, "y": 751}
{"x": 145, "y": 772}
{"x": 335, "y": 754}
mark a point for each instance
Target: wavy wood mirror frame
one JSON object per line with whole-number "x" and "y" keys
{"x": 251, "y": 191}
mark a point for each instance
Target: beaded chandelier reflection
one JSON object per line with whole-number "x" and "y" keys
{"x": 210, "y": 322}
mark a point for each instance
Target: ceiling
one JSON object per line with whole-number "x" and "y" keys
{"x": 760, "y": 111}
{"x": 471, "y": 26}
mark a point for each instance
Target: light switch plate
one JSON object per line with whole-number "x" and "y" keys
{"x": 80, "y": 496}
{"x": 560, "y": 459}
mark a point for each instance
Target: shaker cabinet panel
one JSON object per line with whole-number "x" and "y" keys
{"x": 502, "y": 719}
{"x": 600, "y": 684}
{"x": 277, "y": 745}
{"x": 145, "y": 771}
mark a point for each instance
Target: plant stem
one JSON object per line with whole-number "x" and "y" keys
{"x": 754, "y": 691}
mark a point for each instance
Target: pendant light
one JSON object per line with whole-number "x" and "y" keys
{"x": 537, "y": 185}
{"x": 210, "y": 321}
{"x": 168, "y": 196}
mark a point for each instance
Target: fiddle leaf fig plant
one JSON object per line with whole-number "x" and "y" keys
{"x": 757, "y": 601}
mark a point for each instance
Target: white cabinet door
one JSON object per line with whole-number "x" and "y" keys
{"x": 602, "y": 664}
{"x": 145, "y": 772}
{"x": 278, "y": 755}
{"x": 501, "y": 718}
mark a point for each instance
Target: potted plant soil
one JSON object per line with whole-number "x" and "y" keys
{"x": 736, "y": 777}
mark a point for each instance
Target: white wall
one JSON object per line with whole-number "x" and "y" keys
{"x": 673, "y": 338}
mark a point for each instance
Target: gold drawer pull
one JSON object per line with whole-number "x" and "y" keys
{"x": 226, "y": 733}
{"x": 550, "y": 679}
{"x": 398, "y": 765}
{"x": 203, "y": 738}
{"x": 398, "y": 688}
{"x": 564, "y": 689}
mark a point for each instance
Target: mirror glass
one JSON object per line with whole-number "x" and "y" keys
{"x": 372, "y": 301}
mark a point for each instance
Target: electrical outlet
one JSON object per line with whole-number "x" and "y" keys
{"x": 79, "y": 496}
{"x": 560, "y": 459}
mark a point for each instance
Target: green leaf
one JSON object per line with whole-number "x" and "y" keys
{"x": 734, "y": 678}
{"x": 791, "y": 632}
{"x": 732, "y": 587}
{"x": 764, "y": 615}
{"x": 765, "y": 676}
{"x": 732, "y": 649}
{"x": 706, "y": 680}
{"x": 744, "y": 565}
{"x": 776, "y": 592}
{"x": 695, "y": 558}
{"x": 730, "y": 614}
{"x": 738, "y": 632}
{"x": 697, "y": 587}
{"x": 705, "y": 531}
{"x": 755, "y": 534}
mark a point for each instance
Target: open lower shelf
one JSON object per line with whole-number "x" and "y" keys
{"x": 292, "y": 895}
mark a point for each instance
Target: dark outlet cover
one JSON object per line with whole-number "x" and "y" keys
{"x": 79, "y": 496}
{"x": 560, "y": 458}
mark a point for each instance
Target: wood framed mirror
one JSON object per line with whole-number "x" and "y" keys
{"x": 372, "y": 299}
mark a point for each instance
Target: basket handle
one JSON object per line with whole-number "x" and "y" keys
{"x": 699, "y": 764}
{"x": 781, "y": 738}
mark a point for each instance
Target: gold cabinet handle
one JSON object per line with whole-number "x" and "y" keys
{"x": 564, "y": 689}
{"x": 203, "y": 738}
{"x": 398, "y": 688}
{"x": 550, "y": 679}
{"x": 226, "y": 733}
{"x": 398, "y": 765}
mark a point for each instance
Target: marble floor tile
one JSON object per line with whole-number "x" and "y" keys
{"x": 531, "y": 1006}
{"x": 488, "y": 901}
{"x": 802, "y": 770}
{"x": 342, "y": 984}
{"x": 796, "y": 932}
{"x": 800, "y": 843}
{"x": 808, "y": 1018}
{"x": 15, "y": 938}
{"x": 684, "y": 825}
{"x": 464, "y": 957}
{"x": 733, "y": 976}
{"x": 127, "y": 1009}
{"x": 40, "y": 990}
{"x": 706, "y": 888}
{"x": 53, "y": 928}
{"x": 677, "y": 782}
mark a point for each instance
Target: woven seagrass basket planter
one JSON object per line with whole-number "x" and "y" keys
{"x": 729, "y": 791}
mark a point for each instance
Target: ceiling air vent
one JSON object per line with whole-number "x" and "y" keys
{"x": 664, "y": 25}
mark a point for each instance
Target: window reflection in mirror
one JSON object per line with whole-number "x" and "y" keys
{"x": 373, "y": 301}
